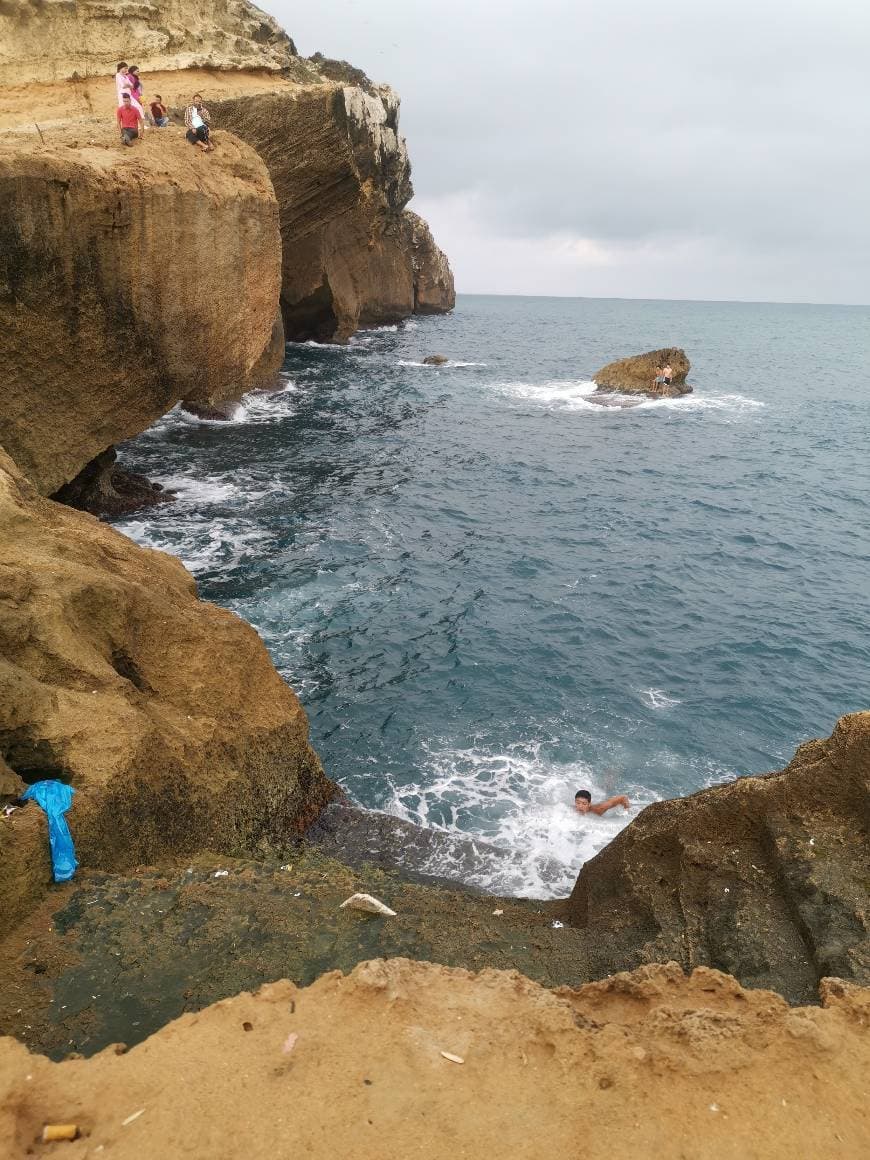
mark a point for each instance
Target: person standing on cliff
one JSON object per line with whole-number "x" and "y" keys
{"x": 583, "y": 803}
{"x": 197, "y": 119}
{"x": 129, "y": 119}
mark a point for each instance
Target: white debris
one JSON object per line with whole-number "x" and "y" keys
{"x": 367, "y": 903}
{"x": 130, "y": 1119}
{"x": 453, "y": 1058}
{"x": 556, "y": 925}
{"x": 498, "y": 913}
{"x": 221, "y": 874}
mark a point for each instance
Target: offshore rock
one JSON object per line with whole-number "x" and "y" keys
{"x": 129, "y": 279}
{"x": 765, "y": 877}
{"x": 669, "y": 1066}
{"x": 435, "y": 360}
{"x": 164, "y": 712}
{"x": 434, "y": 292}
{"x": 636, "y": 375}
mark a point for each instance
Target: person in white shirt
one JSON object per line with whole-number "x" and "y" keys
{"x": 197, "y": 119}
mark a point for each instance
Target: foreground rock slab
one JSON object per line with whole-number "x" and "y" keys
{"x": 765, "y": 877}
{"x": 641, "y": 1065}
{"x": 637, "y": 375}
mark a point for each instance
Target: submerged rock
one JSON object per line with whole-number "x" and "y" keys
{"x": 765, "y": 877}
{"x": 435, "y": 360}
{"x": 636, "y": 375}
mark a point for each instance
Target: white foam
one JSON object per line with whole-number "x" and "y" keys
{"x": 562, "y": 394}
{"x": 577, "y": 395}
{"x": 658, "y": 699}
{"x": 522, "y": 803}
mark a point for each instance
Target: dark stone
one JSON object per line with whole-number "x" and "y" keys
{"x": 104, "y": 489}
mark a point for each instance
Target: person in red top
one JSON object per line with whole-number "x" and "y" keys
{"x": 129, "y": 119}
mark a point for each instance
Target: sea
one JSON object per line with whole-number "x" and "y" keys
{"x": 490, "y": 591}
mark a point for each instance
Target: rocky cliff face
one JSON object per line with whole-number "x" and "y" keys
{"x": 165, "y": 713}
{"x": 49, "y": 40}
{"x": 341, "y": 173}
{"x": 766, "y": 877}
{"x": 128, "y": 280}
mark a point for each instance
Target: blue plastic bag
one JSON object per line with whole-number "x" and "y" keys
{"x": 55, "y": 797}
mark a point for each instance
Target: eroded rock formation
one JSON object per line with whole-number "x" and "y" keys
{"x": 637, "y": 375}
{"x": 165, "y": 713}
{"x": 128, "y": 281}
{"x": 767, "y": 878}
{"x": 647, "y": 1064}
{"x": 434, "y": 292}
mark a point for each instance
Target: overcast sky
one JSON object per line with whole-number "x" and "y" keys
{"x": 680, "y": 149}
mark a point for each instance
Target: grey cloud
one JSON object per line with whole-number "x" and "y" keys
{"x": 738, "y": 125}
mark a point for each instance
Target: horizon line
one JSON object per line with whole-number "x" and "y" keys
{"x": 627, "y": 298}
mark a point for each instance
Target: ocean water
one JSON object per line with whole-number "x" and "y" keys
{"x": 489, "y": 591}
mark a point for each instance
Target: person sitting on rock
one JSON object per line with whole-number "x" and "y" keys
{"x": 583, "y": 803}
{"x": 159, "y": 112}
{"x": 129, "y": 119}
{"x": 197, "y": 119}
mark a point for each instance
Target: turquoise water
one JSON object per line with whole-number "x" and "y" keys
{"x": 490, "y": 591}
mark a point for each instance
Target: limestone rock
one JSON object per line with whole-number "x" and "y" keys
{"x": 434, "y": 292}
{"x": 765, "y": 877}
{"x": 105, "y": 489}
{"x": 164, "y": 712}
{"x": 129, "y": 279}
{"x": 435, "y": 360}
{"x": 44, "y": 42}
{"x": 636, "y": 375}
{"x": 342, "y": 178}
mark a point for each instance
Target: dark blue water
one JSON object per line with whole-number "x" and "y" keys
{"x": 490, "y": 591}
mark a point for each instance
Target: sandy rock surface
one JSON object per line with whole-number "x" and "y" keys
{"x": 164, "y": 712}
{"x": 366, "y": 1066}
{"x": 765, "y": 877}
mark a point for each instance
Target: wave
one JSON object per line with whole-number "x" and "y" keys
{"x": 520, "y": 802}
{"x": 581, "y": 394}
{"x": 658, "y": 699}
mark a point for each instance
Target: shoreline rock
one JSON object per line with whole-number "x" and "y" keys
{"x": 636, "y": 375}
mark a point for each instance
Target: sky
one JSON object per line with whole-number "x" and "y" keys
{"x": 692, "y": 149}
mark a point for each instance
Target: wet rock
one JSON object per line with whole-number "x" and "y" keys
{"x": 107, "y": 490}
{"x": 435, "y": 360}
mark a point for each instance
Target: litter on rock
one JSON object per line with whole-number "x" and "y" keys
{"x": 498, "y": 913}
{"x": 453, "y": 1058}
{"x": 130, "y": 1119}
{"x": 368, "y": 903}
{"x": 52, "y": 1132}
{"x": 55, "y": 798}
{"x": 221, "y": 874}
{"x": 289, "y": 1043}
{"x": 556, "y": 925}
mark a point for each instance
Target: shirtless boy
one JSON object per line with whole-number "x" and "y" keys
{"x": 583, "y": 803}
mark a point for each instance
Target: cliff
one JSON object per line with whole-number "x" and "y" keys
{"x": 401, "y": 1059}
{"x": 765, "y": 877}
{"x": 128, "y": 280}
{"x": 165, "y": 713}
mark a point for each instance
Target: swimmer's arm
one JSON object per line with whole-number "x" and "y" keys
{"x": 603, "y": 807}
